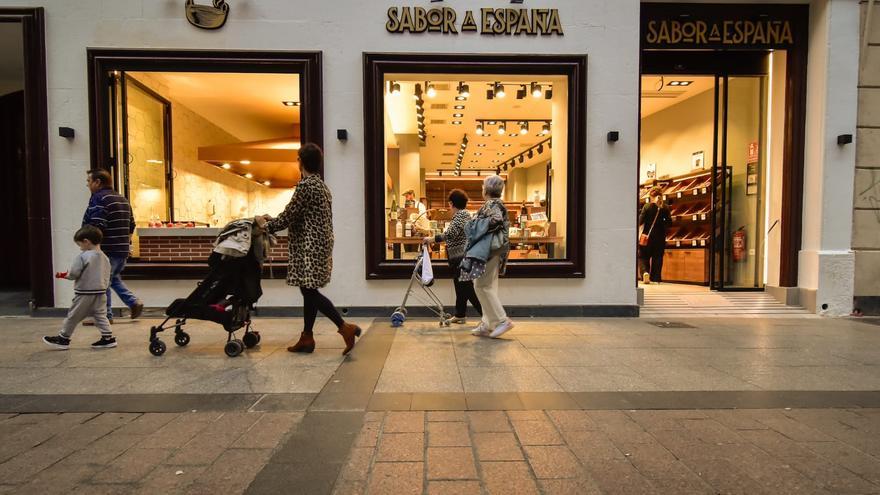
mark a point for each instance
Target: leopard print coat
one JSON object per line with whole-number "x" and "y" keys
{"x": 309, "y": 222}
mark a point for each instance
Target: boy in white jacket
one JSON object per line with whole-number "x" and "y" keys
{"x": 90, "y": 272}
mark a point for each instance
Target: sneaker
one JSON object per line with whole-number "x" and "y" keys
{"x": 136, "y": 310}
{"x": 480, "y": 331}
{"x": 57, "y": 342}
{"x": 105, "y": 343}
{"x": 461, "y": 320}
{"x": 500, "y": 330}
{"x": 646, "y": 278}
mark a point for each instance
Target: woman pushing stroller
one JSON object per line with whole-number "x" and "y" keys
{"x": 309, "y": 222}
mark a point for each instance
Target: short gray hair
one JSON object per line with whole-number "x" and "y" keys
{"x": 493, "y": 186}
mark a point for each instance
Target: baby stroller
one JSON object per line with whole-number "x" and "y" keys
{"x": 426, "y": 296}
{"x": 227, "y": 295}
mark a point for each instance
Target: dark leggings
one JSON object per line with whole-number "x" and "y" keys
{"x": 652, "y": 262}
{"x": 314, "y": 301}
{"x": 464, "y": 292}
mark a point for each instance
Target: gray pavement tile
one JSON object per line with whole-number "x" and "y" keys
{"x": 394, "y": 401}
{"x": 568, "y": 420}
{"x": 804, "y": 377}
{"x": 448, "y": 434}
{"x": 576, "y": 486}
{"x": 830, "y": 476}
{"x": 552, "y": 461}
{"x": 591, "y": 446}
{"x": 599, "y": 379}
{"x": 402, "y": 478}
{"x": 621, "y": 477}
{"x": 451, "y": 463}
{"x": 548, "y": 400}
{"x": 541, "y": 432}
{"x": 501, "y": 478}
{"x": 692, "y": 378}
{"x": 864, "y": 465}
{"x": 502, "y": 446}
{"x": 508, "y": 379}
{"x": 575, "y": 356}
{"x": 459, "y": 487}
{"x": 500, "y": 353}
{"x": 270, "y": 380}
{"x": 440, "y": 401}
{"x": 420, "y": 379}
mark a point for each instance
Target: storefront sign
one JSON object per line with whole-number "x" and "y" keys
{"x": 491, "y": 21}
{"x": 748, "y": 26}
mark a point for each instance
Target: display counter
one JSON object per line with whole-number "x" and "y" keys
{"x": 190, "y": 244}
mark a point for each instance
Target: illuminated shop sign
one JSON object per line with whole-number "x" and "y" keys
{"x": 728, "y": 32}
{"x": 446, "y": 20}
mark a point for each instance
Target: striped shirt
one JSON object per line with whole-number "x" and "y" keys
{"x": 111, "y": 212}
{"x": 455, "y": 237}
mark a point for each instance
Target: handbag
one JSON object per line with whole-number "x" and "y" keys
{"x": 643, "y": 238}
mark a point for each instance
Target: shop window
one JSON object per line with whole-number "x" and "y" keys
{"x": 196, "y": 141}
{"x": 448, "y": 129}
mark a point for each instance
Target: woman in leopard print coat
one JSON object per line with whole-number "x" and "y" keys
{"x": 308, "y": 219}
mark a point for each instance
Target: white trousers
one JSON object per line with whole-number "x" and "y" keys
{"x": 486, "y": 288}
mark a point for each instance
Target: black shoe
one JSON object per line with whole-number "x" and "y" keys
{"x": 57, "y": 342}
{"x": 105, "y": 343}
{"x": 136, "y": 310}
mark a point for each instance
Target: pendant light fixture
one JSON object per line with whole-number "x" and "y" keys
{"x": 499, "y": 90}
{"x": 536, "y": 90}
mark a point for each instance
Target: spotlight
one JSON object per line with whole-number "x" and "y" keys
{"x": 417, "y": 93}
{"x": 460, "y": 98}
{"x": 479, "y": 129}
{"x": 499, "y": 90}
{"x": 463, "y": 90}
{"x": 267, "y": 183}
{"x": 521, "y": 159}
{"x": 499, "y": 153}
{"x": 540, "y": 148}
{"x": 395, "y": 88}
{"x": 545, "y": 129}
{"x": 245, "y": 162}
{"x": 459, "y": 107}
{"x": 482, "y": 145}
{"x": 505, "y": 145}
{"x": 249, "y": 175}
{"x": 521, "y": 93}
{"x": 536, "y": 90}
{"x": 491, "y": 122}
{"x": 431, "y": 91}
{"x": 458, "y": 115}
{"x": 477, "y": 153}
{"x": 531, "y": 154}
{"x": 548, "y": 94}
{"x": 501, "y": 128}
{"x": 505, "y": 167}
{"x": 490, "y": 94}
{"x": 288, "y": 103}
{"x": 226, "y": 166}
{"x": 523, "y": 128}
{"x": 498, "y": 171}
{"x": 456, "y": 122}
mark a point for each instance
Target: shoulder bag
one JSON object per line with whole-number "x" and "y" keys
{"x": 643, "y": 238}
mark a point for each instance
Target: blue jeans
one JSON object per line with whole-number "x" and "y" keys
{"x": 117, "y": 264}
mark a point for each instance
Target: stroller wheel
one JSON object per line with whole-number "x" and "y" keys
{"x": 233, "y": 348}
{"x": 157, "y": 347}
{"x": 251, "y": 339}
{"x": 181, "y": 338}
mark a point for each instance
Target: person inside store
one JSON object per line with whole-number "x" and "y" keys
{"x": 423, "y": 206}
{"x": 653, "y": 221}
{"x": 308, "y": 219}
{"x": 486, "y": 258}
{"x": 456, "y": 241}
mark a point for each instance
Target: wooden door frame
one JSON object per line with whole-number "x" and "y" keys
{"x": 39, "y": 206}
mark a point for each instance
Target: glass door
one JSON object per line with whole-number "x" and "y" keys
{"x": 737, "y": 260}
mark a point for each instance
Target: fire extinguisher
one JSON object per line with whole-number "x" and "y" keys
{"x": 739, "y": 245}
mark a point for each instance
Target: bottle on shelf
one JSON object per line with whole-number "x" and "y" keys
{"x": 398, "y": 228}
{"x": 408, "y": 229}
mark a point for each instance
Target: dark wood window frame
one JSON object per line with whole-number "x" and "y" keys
{"x": 37, "y": 151}
{"x": 376, "y": 65}
{"x": 102, "y": 61}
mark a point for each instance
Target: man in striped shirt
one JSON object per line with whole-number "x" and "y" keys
{"x": 111, "y": 213}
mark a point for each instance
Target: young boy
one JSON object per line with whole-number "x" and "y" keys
{"x": 90, "y": 272}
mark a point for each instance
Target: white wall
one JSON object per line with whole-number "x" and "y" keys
{"x": 607, "y": 30}
{"x": 826, "y": 262}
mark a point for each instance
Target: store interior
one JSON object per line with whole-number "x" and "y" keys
{"x": 202, "y": 149}
{"x": 449, "y": 131}
{"x": 724, "y": 232}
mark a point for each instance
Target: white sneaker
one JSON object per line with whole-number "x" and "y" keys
{"x": 480, "y": 331}
{"x": 500, "y": 330}
{"x": 460, "y": 320}
{"x": 646, "y": 278}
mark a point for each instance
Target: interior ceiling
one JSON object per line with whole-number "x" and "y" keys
{"x": 248, "y": 106}
{"x": 658, "y": 95}
{"x": 444, "y": 138}
{"x": 11, "y": 52}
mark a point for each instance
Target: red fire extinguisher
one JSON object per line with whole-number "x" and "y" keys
{"x": 739, "y": 245}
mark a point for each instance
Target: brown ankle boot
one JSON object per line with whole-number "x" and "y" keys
{"x": 306, "y": 343}
{"x": 349, "y": 332}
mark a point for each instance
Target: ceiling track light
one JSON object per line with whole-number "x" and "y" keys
{"x": 535, "y": 89}
{"x": 463, "y": 90}
{"x": 431, "y": 91}
{"x": 548, "y": 94}
{"x": 502, "y": 128}
{"x": 499, "y": 90}
{"x": 531, "y": 154}
{"x": 545, "y": 128}
{"x": 540, "y": 148}
{"x": 521, "y": 92}
{"x": 524, "y": 128}
{"x": 521, "y": 159}
{"x": 417, "y": 93}
{"x": 395, "y": 88}
{"x": 479, "y": 130}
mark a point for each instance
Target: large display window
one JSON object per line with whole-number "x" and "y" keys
{"x": 441, "y": 126}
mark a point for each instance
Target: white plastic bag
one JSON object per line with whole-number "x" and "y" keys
{"x": 427, "y": 270}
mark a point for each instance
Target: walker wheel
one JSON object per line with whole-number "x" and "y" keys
{"x": 233, "y": 348}
{"x": 181, "y": 338}
{"x": 397, "y": 319}
{"x": 400, "y": 309}
{"x": 157, "y": 347}
{"x": 251, "y": 339}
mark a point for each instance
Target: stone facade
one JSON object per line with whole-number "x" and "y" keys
{"x": 866, "y": 195}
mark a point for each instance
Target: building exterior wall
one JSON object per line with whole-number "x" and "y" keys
{"x": 606, "y": 30}
{"x": 866, "y": 195}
